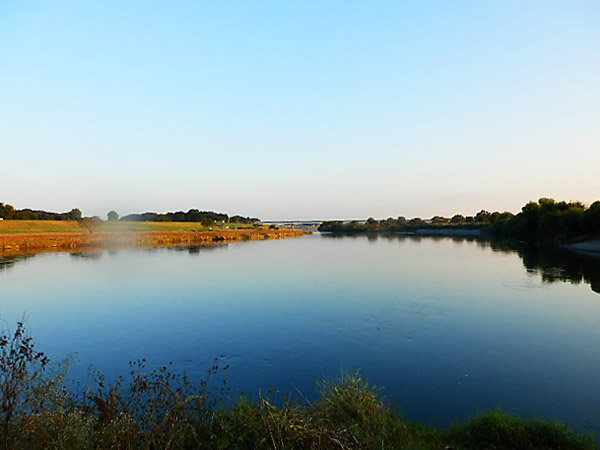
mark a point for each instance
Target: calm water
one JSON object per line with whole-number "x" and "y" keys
{"x": 449, "y": 327}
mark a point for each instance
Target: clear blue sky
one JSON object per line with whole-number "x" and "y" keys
{"x": 309, "y": 109}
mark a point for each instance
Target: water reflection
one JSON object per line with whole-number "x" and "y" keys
{"x": 197, "y": 249}
{"x": 552, "y": 264}
{"x": 555, "y": 265}
{"x": 6, "y": 262}
{"x": 449, "y": 326}
{"x": 93, "y": 255}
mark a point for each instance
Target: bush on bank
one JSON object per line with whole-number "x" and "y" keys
{"x": 163, "y": 410}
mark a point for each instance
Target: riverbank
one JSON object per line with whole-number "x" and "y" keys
{"x": 77, "y": 238}
{"x": 450, "y": 231}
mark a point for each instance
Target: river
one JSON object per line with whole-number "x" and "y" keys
{"x": 447, "y": 327}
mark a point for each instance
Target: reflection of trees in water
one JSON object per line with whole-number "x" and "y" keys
{"x": 87, "y": 255}
{"x": 8, "y": 261}
{"x": 562, "y": 265}
{"x": 197, "y": 249}
{"x": 551, "y": 263}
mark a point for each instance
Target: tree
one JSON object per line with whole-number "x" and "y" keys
{"x": 75, "y": 214}
{"x": 457, "y": 218}
{"x": 416, "y": 221}
{"x": 6, "y": 211}
{"x": 482, "y": 216}
{"x": 207, "y": 222}
{"x": 113, "y": 216}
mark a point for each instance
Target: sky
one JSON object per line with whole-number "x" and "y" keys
{"x": 299, "y": 110}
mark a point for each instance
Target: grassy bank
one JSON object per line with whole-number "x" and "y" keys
{"x": 163, "y": 410}
{"x": 27, "y": 236}
{"x": 73, "y": 226}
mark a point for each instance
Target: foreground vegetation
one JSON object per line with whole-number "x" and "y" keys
{"x": 546, "y": 220}
{"x": 163, "y": 410}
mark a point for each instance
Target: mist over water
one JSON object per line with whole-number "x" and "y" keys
{"x": 448, "y": 327}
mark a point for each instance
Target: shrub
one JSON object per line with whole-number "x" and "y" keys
{"x": 501, "y": 431}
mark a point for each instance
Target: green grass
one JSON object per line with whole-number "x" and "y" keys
{"x": 69, "y": 226}
{"x": 500, "y": 431}
{"x": 39, "y": 226}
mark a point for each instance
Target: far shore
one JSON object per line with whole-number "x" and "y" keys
{"x": 80, "y": 239}
{"x": 449, "y": 231}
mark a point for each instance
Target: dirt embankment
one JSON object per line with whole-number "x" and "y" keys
{"x": 33, "y": 242}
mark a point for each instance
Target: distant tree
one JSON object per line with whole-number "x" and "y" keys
{"x": 482, "y": 216}
{"x": 353, "y": 226}
{"x": 591, "y": 219}
{"x": 113, "y": 216}
{"x": 572, "y": 222}
{"x": 457, "y": 218}
{"x": 75, "y": 214}
{"x": 416, "y": 221}
{"x": 178, "y": 216}
{"x": 206, "y": 222}
{"x": 6, "y": 211}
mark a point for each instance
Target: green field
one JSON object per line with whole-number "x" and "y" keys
{"x": 39, "y": 226}
{"x": 69, "y": 226}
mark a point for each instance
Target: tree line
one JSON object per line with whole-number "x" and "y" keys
{"x": 543, "y": 221}
{"x": 549, "y": 220}
{"x": 193, "y": 215}
{"x": 402, "y": 224}
{"x": 9, "y": 212}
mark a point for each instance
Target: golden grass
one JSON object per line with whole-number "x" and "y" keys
{"x": 18, "y": 237}
{"x": 71, "y": 226}
{"x": 39, "y": 226}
